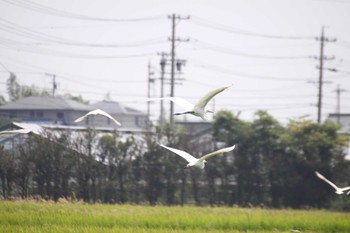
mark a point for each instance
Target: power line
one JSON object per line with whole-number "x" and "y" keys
{"x": 52, "y": 11}
{"x": 5, "y": 68}
{"x": 220, "y": 27}
{"x": 246, "y": 75}
{"x": 155, "y": 41}
{"x": 237, "y": 53}
{"x": 29, "y": 33}
{"x": 52, "y": 52}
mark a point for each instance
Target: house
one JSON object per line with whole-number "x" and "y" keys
{"x": 50, "y": 110}
{"x": 343, "y": 119}
{"x": 59, "y": 112}
{"x": 129, "y": 118}
{"x": 9, "y": 140}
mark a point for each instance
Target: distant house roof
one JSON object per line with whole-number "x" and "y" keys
{"x": 45, "y": 103}
{"x": 341, "y": 115}
{"x": 114, "y": 107}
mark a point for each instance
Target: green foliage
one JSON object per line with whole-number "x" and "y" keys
{"x": 275, "y": 165}
{"x": 78, "y": 98}
{"x": 17, "y": 91}
{"x": 272, "y": 165}
{"x": 13, "y": 88}
{"x": 2, "y": 100}
{"x": 50, "y": 217}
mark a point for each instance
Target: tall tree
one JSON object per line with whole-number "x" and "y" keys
{"x": 229, "y": 129}
{"x": 152, "y": 169}
{"x": 7, "y": 172}
{"x": 13, "y": 88}
{"x": 314, "y": 147}
{"x": 268, "y": 156}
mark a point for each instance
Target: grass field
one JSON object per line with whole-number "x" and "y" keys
{"x": 27, "y": 216}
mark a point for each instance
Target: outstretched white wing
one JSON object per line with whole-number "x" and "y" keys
{"x": 205, "y": 99}
{"x": 97, "y": 112}
{"x": 16, "y": 131}
{"x": 183, "y": 154}
{"x": 326, "y": 180}
{"x": 177, "y": 100}
{"x": 223, "y": 150}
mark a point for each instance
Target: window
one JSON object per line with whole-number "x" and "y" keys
{"x": 60, "y": 115}
{"x": 39, "y": 115}
{"x": 13, "y": 114}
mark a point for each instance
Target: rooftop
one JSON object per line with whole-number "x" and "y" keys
{"x": 113, "y": 107}
{"x": 45, "y": 103}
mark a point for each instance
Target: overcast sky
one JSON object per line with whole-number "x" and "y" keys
{"x": 267, "y": 49}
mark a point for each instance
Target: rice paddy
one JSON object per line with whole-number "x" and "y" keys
{"x": 33, "y": 217}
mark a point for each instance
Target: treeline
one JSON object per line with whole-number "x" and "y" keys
{"x": 272, "y": 165}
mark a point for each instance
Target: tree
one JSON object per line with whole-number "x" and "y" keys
{"x": 314, "y": 147}
{"x": 24, "y": 168}
{"x": 173, "y": 172}
{"x": 17, "y": 91}
{"x": 117, "y": 154}
{"x": 78, "y": 98}
{"x": 2, "y": 100}
{"x": 13, "y": 88}
{"x": 7, "y": 172}
{"x": 152, "y": 169}
{"x": 275, "y": 165}
{"x": 268, "y": 155}
{"x": 231, "y": 130}
{"x": 85, "y": 165}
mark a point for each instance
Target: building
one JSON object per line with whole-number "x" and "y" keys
{"x": 129, "y": 118}
{"x": 59, "y": 112}
{"x": 343, "y": 119}
{"x": 50, "y": 110}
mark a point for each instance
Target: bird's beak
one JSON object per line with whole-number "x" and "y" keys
{"x": 210, "y": 111}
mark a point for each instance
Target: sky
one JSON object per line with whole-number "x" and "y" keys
{"x": 268, "y": 50}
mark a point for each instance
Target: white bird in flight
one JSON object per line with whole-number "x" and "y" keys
{"x": 197, "y": 109}
{"x": 97, "y": 112}
{"x": 337, "y": 189}
{"x": 16, "y": 131}
{"x": 192, "y": 161}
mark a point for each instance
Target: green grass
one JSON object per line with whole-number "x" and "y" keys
{"x": 33, "y": 217}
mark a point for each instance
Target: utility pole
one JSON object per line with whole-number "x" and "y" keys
{"x": 54, "y": 84}
{"x": 150, "y": 81}
{"x": 163, "y": 62}
{"x": 338, "y": 91}
{"x": 173, "y": 18}
{"x": 322, "y": 39}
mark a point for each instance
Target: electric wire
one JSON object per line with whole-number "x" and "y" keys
{"x": 51, "y": 52}
{"x": 209, "y": 24}
{"x": 52, "y": 11}
{"x": 229, "y": 51}
{"x": 28, "y": 33}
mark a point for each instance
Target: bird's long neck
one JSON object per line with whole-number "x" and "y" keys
{"x": 182, "y": 113}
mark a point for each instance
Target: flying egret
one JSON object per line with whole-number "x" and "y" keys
{"x": 97, "y": 112}
{"x": 337, "y": 189}
{"x": 192, "y": 161}
{"x": 197, "y": 109}
{"x": 16, "y": 131}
